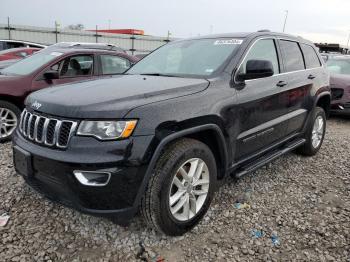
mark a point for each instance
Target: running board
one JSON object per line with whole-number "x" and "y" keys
{"x": 268, "y": 158}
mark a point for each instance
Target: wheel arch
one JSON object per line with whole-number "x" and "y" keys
{"x": 12, "y": 100}
{"x": 324, "y": 101}
{"x": 218, "y": 146}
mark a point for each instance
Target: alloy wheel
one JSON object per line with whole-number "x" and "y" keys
{"x": 8, "y": 122}
{"x": 189, "y": 189}
{"x": 317, "y": 132}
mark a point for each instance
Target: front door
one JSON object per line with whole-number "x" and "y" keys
{"x": 70, "y": 69}
{"x": 262, "y": 103}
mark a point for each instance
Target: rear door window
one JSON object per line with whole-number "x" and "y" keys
{"x": 292, "y": 56}
{"x": 310, "y": 56}
{"x": 114, "y": 64}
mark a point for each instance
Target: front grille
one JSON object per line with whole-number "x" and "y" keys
{"x": 337, "y": 93}
{"x": 47, "y": 131}
{"x": 347, "y": 105}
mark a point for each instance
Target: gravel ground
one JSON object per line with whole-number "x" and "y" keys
{"x": 303, "y": 203}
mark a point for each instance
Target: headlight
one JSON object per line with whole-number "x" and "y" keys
{"x": 107, "y": 130}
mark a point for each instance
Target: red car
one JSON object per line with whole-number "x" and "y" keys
{"x": 339, "y": 67}
{"x": 57, "y": 64}
{"x": 17, "y": 53}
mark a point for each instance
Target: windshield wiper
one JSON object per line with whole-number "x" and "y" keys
{"x": 158, "y": 74}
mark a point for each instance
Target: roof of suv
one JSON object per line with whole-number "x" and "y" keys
{"x": 67, "y": 46}
{"x": 255, "y": 34}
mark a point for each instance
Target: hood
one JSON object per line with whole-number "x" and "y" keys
{"x": 12, "y": 84}
{"x": 6, "y": 63}
{"x": 111, "y": 97}
{"x": 340, "y": 81}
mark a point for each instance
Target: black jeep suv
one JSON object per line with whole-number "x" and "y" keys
{"x": 160, "y": 138}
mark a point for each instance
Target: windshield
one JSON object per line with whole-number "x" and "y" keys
{"x": 199, "y": 57}
{"x": 30, "y": 64}
{"x": 339, "y": 66}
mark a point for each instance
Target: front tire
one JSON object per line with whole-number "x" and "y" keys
{"x": 315, "y": 133}
{"x": 9, "y": 117}
{"x": 181, "y": 188}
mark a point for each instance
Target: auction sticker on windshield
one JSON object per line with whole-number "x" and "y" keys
{"x": 228, "y": 42}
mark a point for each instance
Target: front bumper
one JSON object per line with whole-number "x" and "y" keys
{"x": 52, "y": 173}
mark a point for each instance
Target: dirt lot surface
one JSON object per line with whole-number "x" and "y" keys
{"x": 299, "y": 211}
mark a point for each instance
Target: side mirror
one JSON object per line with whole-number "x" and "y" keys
{"x": 257, "y": 69}
{"x": 51, "y": 74}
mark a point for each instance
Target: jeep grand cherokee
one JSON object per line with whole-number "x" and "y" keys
{"x": 162, "y": 137}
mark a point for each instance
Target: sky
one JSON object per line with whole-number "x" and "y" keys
{"x": 324, "y": 21}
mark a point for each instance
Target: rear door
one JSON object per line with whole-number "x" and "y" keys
{"x": 262, "y": 109}
{"x": 113, "y": 64}
{"x": 300, "y": 82}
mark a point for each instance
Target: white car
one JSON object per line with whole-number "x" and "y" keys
{"x": 7, "y": 44}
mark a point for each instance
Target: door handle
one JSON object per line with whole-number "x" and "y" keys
{"x": 311, "y": 77}
{"x": 281, "y": 83}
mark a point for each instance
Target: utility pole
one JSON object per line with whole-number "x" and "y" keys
{"x": 8, "y": 26}
{"x": 56, "y": 30}
{"x": 96, "y": 34}
{"x": 347, "y": 45}
{"x": 169, "y": 34}
{"x": 285, "y": 21}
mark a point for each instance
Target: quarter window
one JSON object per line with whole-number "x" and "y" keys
{"x": 310, "y": 56}
{"x": 264, "y": 49}
{"x": 114, "y": 64}
{"x": 292, "y": 56}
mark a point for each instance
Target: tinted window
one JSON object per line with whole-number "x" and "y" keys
{"x": 113, "y": 64}
{"x": 80, "y": 65}
{"x": 310, "y": 56}
{"x": 264, "y": 49}
{"x": 293, "y": 59}
{"x": 14, "y": 45}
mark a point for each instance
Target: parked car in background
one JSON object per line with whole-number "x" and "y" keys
{"x": 162, "y": 136}
{"x": 57, "y": 64}
{"x": 141, "y": 56}
{"x": 339, "y": 67}
{"x": 17, "y": 53}
{"x": 6, "y": 63}
{"x": 8, "y": 44}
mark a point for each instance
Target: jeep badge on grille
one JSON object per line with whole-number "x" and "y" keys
{"x": 36, "y": 105}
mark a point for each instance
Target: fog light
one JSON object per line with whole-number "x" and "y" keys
{"x": 341, "y": 107}
{"x": 92, "y": 178}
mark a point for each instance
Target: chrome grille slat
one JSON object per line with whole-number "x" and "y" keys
{"x": 46, "y": 130}
{"x": 47, "y": 121}
{"x": 36, "y": 128}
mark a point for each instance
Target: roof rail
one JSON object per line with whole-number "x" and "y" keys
{"x": 264, "y": 30}
{"x": 100, "y": 46}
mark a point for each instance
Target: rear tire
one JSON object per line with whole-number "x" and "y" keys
{"x": 315, "y": 134}
{"x": 174, "y": 202}
{"x": 9, "y": 118}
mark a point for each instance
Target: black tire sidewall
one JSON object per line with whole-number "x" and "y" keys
{"x": 318, "y": 112}
{"x": 168, "y": 220}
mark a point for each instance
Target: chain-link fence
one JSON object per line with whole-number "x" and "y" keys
{"x": 134, "y": 44}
